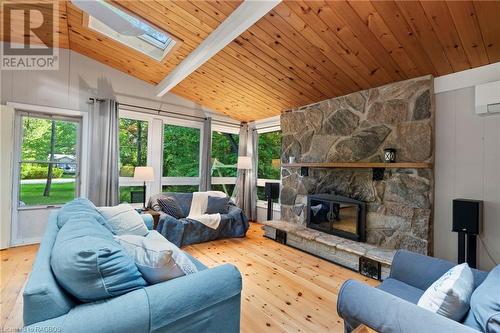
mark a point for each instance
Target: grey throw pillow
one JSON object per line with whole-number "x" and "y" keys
{"x": 217, "y": 205}
{"x": 169, "y": 206}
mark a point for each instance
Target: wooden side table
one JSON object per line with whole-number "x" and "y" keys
{"x": 155, "y": 215}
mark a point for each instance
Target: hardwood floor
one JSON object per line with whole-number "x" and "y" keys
{"x": 284, "y": 289}
{"x": 15, "y": 265}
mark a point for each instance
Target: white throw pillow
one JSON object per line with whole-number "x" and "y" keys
{"x": 450, "y": 295}
{"x": 124, "y": 220}
{"x": 156, "y": 258}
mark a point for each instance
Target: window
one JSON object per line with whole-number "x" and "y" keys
{"x": 133, "y": 145}
{"x": 180, "y": 188}
{"x": 224, "y": 160}
{"x": 269, "y": 152}
{"x": 133, "y": 138}
{"x": 181, "y": 151}
{"x": 181, "y": 158}
{"x": 48, "y": 161}
{"x": 145, "y": 38}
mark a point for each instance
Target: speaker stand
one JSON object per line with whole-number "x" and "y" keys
{"x": 471, "y": 256}
{"x": 269, "y": 208}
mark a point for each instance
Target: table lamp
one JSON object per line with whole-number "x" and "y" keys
{"x": 144, "y": 174}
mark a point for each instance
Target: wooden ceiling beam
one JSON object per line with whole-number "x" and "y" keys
{"x": 240, "y": 20}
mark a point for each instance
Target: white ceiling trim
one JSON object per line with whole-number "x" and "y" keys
{"x": 249, "y": 12}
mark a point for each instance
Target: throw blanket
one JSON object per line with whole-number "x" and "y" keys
{"x": 199, "y": 207}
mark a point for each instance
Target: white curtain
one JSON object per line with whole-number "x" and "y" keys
{"x": 245, "y": 191}
{"x": 104, "y": 149}
{"x": 206, "y": 156}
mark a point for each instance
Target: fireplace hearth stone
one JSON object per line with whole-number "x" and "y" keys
{"x": 333, "y": 248}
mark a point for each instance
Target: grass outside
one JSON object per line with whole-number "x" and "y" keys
{"x": 32, "y": 194}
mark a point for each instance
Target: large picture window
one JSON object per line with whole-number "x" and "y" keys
{"x": 224, "y": 160}
{"x": 133, "y": 139}
{"x": 133, "y": 145}
{"x": 181, "y": 151}
{"x": 268, "y": 165}
{"x": 181, "y": 158}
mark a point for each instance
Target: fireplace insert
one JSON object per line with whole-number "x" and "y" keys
{"x": 337, "y": 215}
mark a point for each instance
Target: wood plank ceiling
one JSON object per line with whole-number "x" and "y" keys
{"x": 302, "y": 51}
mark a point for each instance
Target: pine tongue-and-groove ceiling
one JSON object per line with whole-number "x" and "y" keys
{"x": 301, "y": 52}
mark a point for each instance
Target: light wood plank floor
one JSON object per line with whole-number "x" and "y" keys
{"x": 284, "y": 289}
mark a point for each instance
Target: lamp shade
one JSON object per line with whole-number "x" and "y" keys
{"x": 244, "y": 162}
{"x": 144, "y": 174}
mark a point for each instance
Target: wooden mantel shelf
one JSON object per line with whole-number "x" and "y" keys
{"x": 400, "y": 165}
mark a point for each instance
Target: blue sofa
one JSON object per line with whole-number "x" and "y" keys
{"x": 185, "y": 231}
{"x": 391, "y": 307}
{"x": 207, "y": 301}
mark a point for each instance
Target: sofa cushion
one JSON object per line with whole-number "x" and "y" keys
{"x": 484, "y": 314}
{"x": 217, "y": 205}
{"x": 124, "y": 220}
{"x": 183, "y": 199}
{"x": 89, "y": 264}
{"x": 170, "y": 206}
{"x": 80, "y": 207}
{"x": 450, "y": 295}
{"x": 401, "y": 289}
{"x": 157, "y": 259}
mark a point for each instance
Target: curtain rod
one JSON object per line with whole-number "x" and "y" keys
{"x": 266, "y": 127}
{"x": 174, "y": 113}
{"x": 160, "y": 111}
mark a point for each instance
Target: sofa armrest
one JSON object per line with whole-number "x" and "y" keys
{"x": 385, "y": 313}
{"x": 179, "y": 298}
{"x": 154, "y": 307}
{"x": 418, "y": 270}
{"x": 125, "y": 313}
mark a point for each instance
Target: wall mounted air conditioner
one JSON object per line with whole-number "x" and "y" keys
{"x": 488, "y": 98}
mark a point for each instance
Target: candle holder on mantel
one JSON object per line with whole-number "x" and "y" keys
{"x": 389, "y": 155}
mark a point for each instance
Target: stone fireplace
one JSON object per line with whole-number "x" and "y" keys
{"x": 357, "y": 128}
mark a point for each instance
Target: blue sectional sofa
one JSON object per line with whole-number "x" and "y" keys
{"x": 185, "y": 231}
{"x": 391, "y": 307}
{"x": 207, "y": 301}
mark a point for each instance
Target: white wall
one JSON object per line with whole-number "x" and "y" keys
{"x": 467, "y": 166}
{"x": 6, "y": 149}
{"x": 79, "y": 78}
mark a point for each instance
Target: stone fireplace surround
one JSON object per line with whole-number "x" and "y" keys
{"x": 356, "y": 128}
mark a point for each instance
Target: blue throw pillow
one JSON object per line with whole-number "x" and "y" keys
{"x": 217, "y": 205}
{"x": 89, "y": 264}
{"x": 484, "y": 314}
{"x": 169, "y": 206}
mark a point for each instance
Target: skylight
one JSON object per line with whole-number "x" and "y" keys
{"x": 152, "y": 42}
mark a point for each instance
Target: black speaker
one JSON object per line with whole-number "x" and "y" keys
{"x": 272, "y": 190}
{"x": 467, "y": 216}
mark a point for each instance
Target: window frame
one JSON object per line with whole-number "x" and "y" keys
{"x": 261, "y": 182}
{"x": 90, "y": 22}
{"x": 230, "y": 130}
{"x": 19, "y": 161}
{"x": 129, "y": 181}
{"x": 166, "y": 181}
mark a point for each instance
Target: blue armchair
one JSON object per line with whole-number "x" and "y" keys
{"x": 391, "y": 307}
